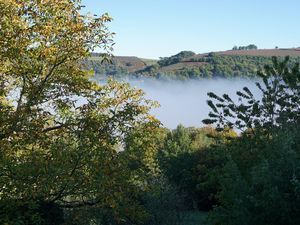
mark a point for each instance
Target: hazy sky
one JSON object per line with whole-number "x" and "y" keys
{"x": 154, "y": 28}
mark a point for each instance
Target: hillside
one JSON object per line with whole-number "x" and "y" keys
{"x": 188, "y": 65}
{"x": 118, "y": 64}
{"x": 281, "y": 52}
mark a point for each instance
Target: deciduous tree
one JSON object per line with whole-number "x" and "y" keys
{"x": 60, "y": 133}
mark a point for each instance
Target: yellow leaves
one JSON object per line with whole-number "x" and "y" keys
{"x": 4, "y": 101}
{"x": 120, "y": 96}
{"x": 43, "y": 1}
{"x": 10, "y": 3}
{"x": 95, "y": 86}
{"x": 48, "y": 134}
{"x": 106, "y": 18}
{"x": 49, "y": 52}
{"x": 46, "y": 31}
{"x": 152, "y": 119}
{"x": 77, "y": 27}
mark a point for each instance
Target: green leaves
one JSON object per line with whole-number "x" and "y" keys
{"x": 60, "y": 132}
{"x": 212, "y": 106}
{"x": 280, "y": 88}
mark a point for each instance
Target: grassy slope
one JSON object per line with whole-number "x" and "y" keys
{"x": 149, "y": 62}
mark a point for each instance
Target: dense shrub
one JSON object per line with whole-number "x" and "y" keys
{"x": 260, "y": 181}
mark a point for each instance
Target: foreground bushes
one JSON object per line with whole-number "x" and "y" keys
{"x": 260, "y": 181}
{"x": 267, "y": 190}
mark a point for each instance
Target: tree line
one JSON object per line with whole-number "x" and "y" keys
{"x": 212, "y": 66}
{"x": 248, "y": 47}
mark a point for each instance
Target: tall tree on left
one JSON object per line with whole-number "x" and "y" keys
{"x": 60, "y": 132}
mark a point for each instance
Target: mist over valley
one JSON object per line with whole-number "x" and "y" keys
{"x": 184, "y": 102}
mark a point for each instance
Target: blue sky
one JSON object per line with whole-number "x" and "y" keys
{"x": 155, "y": 28}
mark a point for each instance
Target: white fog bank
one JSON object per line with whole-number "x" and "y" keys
{"x": 185, "y": 102}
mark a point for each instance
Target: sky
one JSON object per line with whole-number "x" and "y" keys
{"x": 161, "y": 28}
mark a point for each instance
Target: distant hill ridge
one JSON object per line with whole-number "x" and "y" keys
{"x": 281, "y": 52}
{"x": 188, "y": 65}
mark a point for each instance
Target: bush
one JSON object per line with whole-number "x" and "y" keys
{"x": 266, "y": 192}
{"x": 260, "y": 181}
